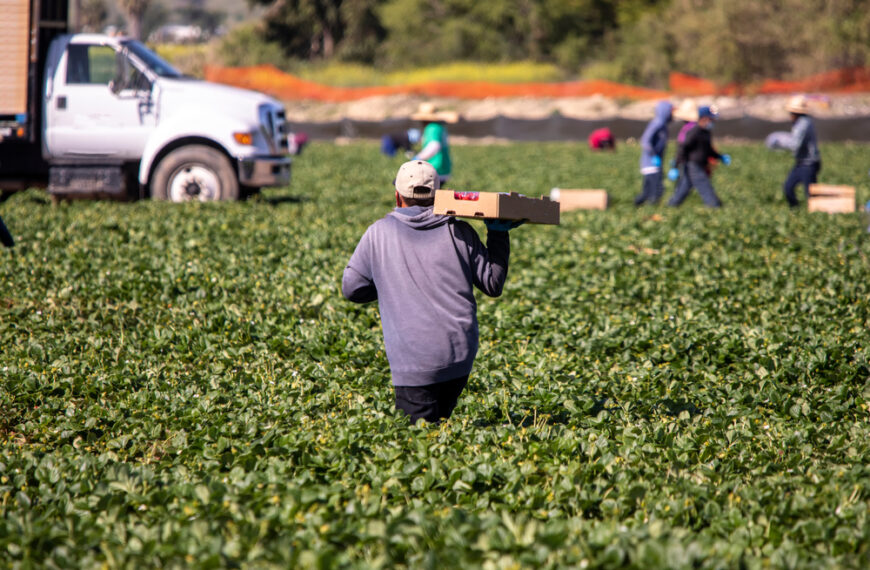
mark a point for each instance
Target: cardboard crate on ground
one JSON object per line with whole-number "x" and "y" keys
{"x": 580, "y": 199}
{"x": 831, "y": 198}
{"x": 497, "y": 205}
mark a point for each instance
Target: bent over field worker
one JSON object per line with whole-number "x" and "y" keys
{"x": 422, "y": 268}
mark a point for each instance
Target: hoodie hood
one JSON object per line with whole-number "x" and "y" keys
{"x": 419, "y": 217}
{"x": 655, "y": 139}
{"x": 663, "y": 111}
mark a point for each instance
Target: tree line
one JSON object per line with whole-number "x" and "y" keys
{"x": 635, "y": 41}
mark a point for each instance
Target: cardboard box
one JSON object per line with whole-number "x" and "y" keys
{"x": 832, "y": 190}
{"x": 580, "y": 199}
{"x": 831, "y": 198}
{"x": 831, "y": 204}
{"x": 497, "y": 205}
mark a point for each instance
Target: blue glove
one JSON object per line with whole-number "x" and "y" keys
{"x": 673, "y": 174}
{"x": 503, "y": 225}
{"x": 726, "y": 159}
{"x": 656, "y": 160}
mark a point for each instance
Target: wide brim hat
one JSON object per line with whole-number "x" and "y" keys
{"x": 686, "y": 111}
{"x": 798, "y": 104}
{"x": 429, "y": 113}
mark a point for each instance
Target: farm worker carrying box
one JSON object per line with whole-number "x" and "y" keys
{"x": 421, "y": 268}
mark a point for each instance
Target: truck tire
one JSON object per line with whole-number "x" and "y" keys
{"x": 195, "y": 172}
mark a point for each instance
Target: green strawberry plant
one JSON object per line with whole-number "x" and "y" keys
{"x": 183, "y": 385}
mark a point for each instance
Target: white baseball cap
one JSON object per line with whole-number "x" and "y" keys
{"x": 417, "y": 179}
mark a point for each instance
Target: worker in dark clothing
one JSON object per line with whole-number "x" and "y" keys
{"x": 693, "y": 160}
{"x": 404, "y": 141}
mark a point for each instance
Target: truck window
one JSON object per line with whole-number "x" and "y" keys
{"x": 152, "y": 60}
{"x": 89, "y": 64}
{"x": 99, "y": 65}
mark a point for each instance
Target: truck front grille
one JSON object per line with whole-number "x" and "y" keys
{"x": 274, "y": 124}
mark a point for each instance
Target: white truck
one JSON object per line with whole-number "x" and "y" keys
{"x": 90, "y": 114}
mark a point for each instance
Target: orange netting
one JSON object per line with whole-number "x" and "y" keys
{"x": 268, "y": 79}
{"x": 271, "y": 80}
{"x": 847, "y": 80}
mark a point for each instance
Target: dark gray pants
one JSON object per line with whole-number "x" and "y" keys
{"x": 805, "y": 174}
{"x": 432, "y": 402}
{"x": 652, "y": 190}
{"x": 694, "y": 176}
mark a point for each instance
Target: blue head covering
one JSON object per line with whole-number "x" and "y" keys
{"x": 707, "y": 111}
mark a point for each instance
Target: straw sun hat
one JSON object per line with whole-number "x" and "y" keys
{"x": 429, "y": 113}
{"x": 798, "y": 104}
{"x": 686, "y": 111}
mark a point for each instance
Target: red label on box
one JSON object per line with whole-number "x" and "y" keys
{"x": 472, "y": 196}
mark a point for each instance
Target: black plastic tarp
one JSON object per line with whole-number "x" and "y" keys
{"x": 559, "y": 128}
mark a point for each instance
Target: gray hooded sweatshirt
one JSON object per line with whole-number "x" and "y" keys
{"x": 654, "y": 139}
{"x": 803, "y": 142}
{"x": 421, "y": 268}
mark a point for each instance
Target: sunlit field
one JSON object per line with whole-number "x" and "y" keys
{"x": 183, "y": 385}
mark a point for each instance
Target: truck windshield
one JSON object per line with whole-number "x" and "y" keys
{"x": 151, "y": 59}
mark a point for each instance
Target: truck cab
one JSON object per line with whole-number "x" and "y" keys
{"x": 115, "y": 119}
{"x": 112, "y": 100}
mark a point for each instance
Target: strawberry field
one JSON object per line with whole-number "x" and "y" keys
{"x": 183, "y": 385}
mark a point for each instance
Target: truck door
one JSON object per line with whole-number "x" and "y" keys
{"x": 101, "y": 105}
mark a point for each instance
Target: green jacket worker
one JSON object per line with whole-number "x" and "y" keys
{"x": 434, "y": 148}
{"x": 422, "y": 269}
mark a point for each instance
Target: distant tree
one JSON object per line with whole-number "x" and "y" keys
{"x": 135, "y": 11}
{"x": 195, "y": 13}
{"x": 636, "y": 40}
{"x": 362, "y": 31}
{"x": 308, "y": 29}
{"x": 93, "y": 15}
{"x": 426, "y": 31}
{"x": 155, "y": 16}
{"x": 848, "y": 27}
{"x": 740, "y": 41}
{"x": 246, "y": 44}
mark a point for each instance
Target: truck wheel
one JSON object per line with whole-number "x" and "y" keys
{"x": 195, "y": 172}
